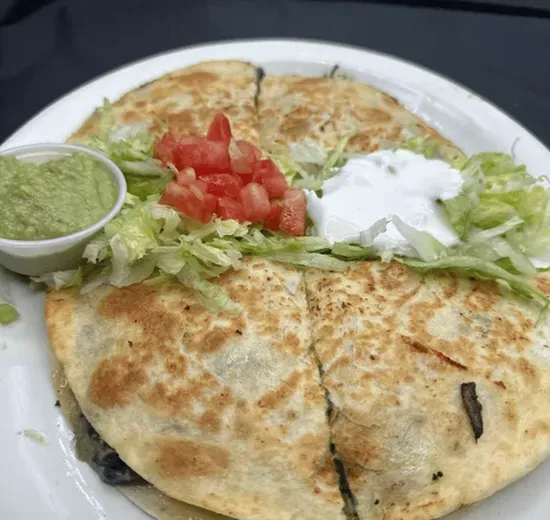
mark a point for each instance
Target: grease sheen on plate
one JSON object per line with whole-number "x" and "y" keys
{"x": 320, "y": 389}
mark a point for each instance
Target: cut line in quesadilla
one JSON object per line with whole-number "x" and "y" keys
{"x": 325, "y": 109}
{"x": 222, "y": 412}
{"x": 397, "y": 349}
{"x": 188, "y": 99}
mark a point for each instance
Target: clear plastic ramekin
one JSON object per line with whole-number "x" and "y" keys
{"x": 37, "y": 257}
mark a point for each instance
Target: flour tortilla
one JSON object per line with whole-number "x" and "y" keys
{"x": 144, "y": 495}
{"x": 294, "y": 108}
{"x": 391, "y": 343}
{"x": 223, "y": 413}
{"x": 395, "y": 347}
{"x": 188, "y": 99}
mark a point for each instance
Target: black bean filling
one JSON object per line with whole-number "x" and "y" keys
{"x": 103, "y": 459}
{"x": 473, "y": 408}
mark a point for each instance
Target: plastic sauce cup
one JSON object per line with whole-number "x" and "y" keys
{"x": 37, "y": 257}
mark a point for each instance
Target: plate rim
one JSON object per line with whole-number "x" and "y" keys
{"x": 210, "y": 45}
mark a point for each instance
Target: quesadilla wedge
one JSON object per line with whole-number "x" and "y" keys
{"x": 398, "y": 350}
{"x": 188, "y": 99}
{"x": 326, "y": 109}
{"x": 90, "y": 448}
{"x": 220, "y": 412}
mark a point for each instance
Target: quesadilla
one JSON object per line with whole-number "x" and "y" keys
{"x": 188, "y": 99}
{"x": 374, "y": 394}
{"x": 223, "y": 413}
{"x": 396, "y": 348}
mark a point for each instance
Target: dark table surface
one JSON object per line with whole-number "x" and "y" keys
{"x": 498, "y": 48}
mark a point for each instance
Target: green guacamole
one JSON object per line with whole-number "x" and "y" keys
{"x": 53, "y": 199}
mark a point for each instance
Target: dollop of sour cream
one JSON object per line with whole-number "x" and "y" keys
{"x": 383, "y": 184}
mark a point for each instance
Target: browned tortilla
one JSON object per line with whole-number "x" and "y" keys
{"x": 396, "y": 347}
{"x": 188, "y": 99}
{"x": 432, "y": 390}
{"x": 293, "y": 108}
{"x": 220, "y": 412}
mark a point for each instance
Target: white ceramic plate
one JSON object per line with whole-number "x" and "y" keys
{"x": 47, "y": 482}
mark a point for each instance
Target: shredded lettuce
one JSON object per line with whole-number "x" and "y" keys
{"x": 60, "y": 279}
{"x": 151, "y": 242}
{"x": 316, "y": 260}
{"x": 212, "y": 297}
{"x": 144, "y": 187}
{"x": 481, "y": 236}
{"x": 431, "y": 149}
{"x": 35, "y": 436}
{"x": 308, "y": 251}
{"x": 308, "y": 165}
{"x": 480, "y": 268}
{"x": 427, "y": 246}
{"x": 348, "y": 251}
{"x": 8, "y": 313}
{"x": 502, "y": 212}
{"x": 496, "y": 191}
{"x": 130, "y": 147}
{"x": 504, "y": 208}
{"x": 368, "y": 235}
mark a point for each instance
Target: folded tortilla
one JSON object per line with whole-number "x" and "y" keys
{"x": 383, "y": 395}
{"x": 188, "y": 99}
{"x": 326, "y": 109}
{"x": 224, "y": 413}
{"x": 396, "y": 347}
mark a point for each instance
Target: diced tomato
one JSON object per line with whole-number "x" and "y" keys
{"x": 223, "y": 184}
{"x": 293, "y": 214}
{"x": 230, "y": 209}
{"x": 202, "y": 155}
{"x": 275, "y": 184}
{"x": 208, "y": 207}
{"x": 271, "y": 178}
{"x": 164, "y": 148}
{"x": 186, "y": 176}
{"x": 189, "y": 139}
{"x": 199, "y": 183}
{"x": 273, "y": 218}
{"x": 246, "y": 179}
{"x": 244, "y": 157}
{"x": 255, "y": 149}
{"x": 190, "y": 201}
{"x": 255, "y": 201}
{"x": 179, "y": 197}
{"x": 220, "y": 129}
{"x": 264, "y": 166}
